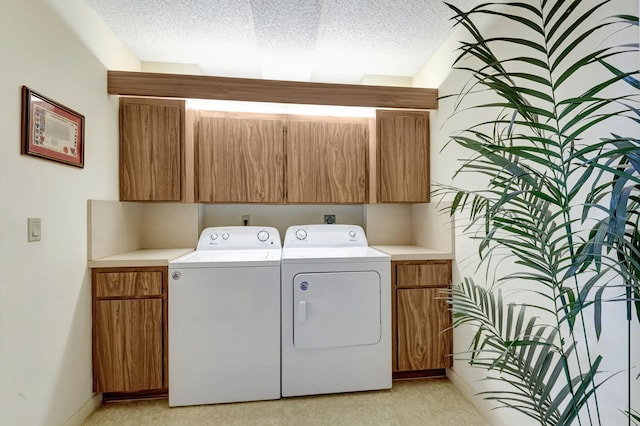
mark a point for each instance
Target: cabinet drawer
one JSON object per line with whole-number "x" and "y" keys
{"x": 433, "y": 274}
{"x": 128, "y": 284}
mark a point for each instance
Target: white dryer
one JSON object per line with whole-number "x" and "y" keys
{"x": 224, "y": 318}
{"x": 336, "y": 311}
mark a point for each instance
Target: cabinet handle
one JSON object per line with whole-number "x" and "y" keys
{"x": 302, "y": 311}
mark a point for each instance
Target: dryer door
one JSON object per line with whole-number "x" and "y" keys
{"x": 334, "y": 309}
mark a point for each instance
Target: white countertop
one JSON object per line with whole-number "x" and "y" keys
{"x": 408, "y": 252}
{"x": 161, "y": 257}
{"x": 142, "y": 257}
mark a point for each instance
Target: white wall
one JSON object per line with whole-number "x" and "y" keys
{"x": 45, "y": 309}
{"x": 438, "y": 73}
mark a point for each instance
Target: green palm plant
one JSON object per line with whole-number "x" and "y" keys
{"x": 562, "y": 199}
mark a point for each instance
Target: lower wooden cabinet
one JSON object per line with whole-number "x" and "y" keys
{"x": 129, "y": 329}
{"x": 423, "y": 338}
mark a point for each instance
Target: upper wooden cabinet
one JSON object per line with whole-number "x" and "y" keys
{"x": 154, "y": 156}
{"x": 402, "y": 156}
{"x": 270, "y": 158}
{"x": 327, "y": 160}
{"x": 240, "y": 158}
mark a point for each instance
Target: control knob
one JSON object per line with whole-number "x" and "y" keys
{"x": 263, "y": 236}
{"x": 301, "y": 234}
{"x": 214, "y": 236}
{"x": 225, "y": 236}
{"x": 352, "y": 234}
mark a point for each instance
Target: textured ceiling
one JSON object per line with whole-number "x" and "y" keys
{"x": 336, "y": 41}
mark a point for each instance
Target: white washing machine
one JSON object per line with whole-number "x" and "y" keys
{"x": 224, "y": 318}
{"x": 336, "y": 311}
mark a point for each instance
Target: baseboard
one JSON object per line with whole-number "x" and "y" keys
{"x": 85, "y": 411}
{"x": 461, "y": 384}
{"x": 470, "y": 394}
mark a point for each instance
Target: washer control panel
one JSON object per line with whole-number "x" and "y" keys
{"x": 239, "y": 237}
{"x": 323, "y": 235}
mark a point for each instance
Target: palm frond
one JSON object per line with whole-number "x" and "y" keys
{"x": 539, "y": 157}
{"x": 521, "y": 352}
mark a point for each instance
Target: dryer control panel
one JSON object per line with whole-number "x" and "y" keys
{"x": 325, "y": 236}
{"x": 239, "y": 237}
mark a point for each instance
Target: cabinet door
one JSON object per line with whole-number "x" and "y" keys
{"x": 151, "y": 149}
{"x": 423, "y": 317}
{"x": 128, "y": 353}
{"x": 327, "y": 160}
{"x": 402, "y": 156}
{"x": 240, "y": 159}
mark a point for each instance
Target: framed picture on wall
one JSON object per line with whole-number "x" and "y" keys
{"x": 51, "y": 130}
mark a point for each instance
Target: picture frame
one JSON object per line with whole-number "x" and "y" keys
{"x": 51, "y": 130}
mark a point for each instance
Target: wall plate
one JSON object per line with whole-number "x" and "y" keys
{"x": 329, "y": 219}
{"x": 34, "y": 230}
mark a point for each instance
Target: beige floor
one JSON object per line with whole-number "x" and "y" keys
{"x": 412, "y": 402}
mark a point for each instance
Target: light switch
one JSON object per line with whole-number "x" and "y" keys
{"x": 33, "y": 229}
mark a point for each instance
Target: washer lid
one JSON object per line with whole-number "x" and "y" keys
{"x": 333, "y": 254}
{"x": 227, "y": 258}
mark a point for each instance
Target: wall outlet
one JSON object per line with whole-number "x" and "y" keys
{"x": 246, "y": 220}
{"x": 329, "y": 219}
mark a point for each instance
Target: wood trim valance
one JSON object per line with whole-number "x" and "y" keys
{"x": 256, "y": 90}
